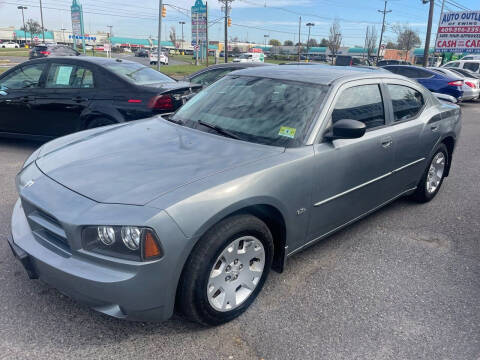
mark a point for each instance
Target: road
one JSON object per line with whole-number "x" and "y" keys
{"x": 403, "y": 283}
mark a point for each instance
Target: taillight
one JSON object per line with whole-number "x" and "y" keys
{"x": 135, "y": 101}
{"x": 161, "y": 102}
{"x": 456, "y": 83}
{"x": 472, "y": 85}
{"x": 45, "y": 52}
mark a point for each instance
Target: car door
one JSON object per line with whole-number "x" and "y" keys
{"x": 69, "y": 88}
{"x": 19, "y": 89}
{"x": 352, "y": 175}
{"x": 416, "y": 130}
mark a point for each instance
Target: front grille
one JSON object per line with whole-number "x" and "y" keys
{"x": 45, "y": 227}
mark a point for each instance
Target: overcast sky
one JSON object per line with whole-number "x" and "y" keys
{"x": 251, "y": 19}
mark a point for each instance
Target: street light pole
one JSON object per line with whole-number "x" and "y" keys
{"x": 226, "y": 4}
{"x": 159, "y": 48}
{"x": 384, "y": 12}
{"x": 41, "y": 18}
{"x": 63, "y": 34}
{"x": 23, "y": 19}
{"x": 183, "y": 41}
{"x": 265, "y": 40}
{"x": 308, "y": 39}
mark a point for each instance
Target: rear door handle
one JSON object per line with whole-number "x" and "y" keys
{"x": 387, "y": 142}
{"x": 27, "y": 99}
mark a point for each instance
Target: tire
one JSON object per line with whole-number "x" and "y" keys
{"x": 198, "y": 299}
{"x": 428, "y": 187}
{"x": 99, "y": 121}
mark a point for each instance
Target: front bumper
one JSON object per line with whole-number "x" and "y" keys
{"x": 126, "y": 289}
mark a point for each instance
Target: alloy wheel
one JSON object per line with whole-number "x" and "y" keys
{"x": 236, "y": 273}
{"x": 435, "y": 172}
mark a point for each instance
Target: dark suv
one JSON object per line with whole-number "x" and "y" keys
{"x": 346, "y": 60}
{"x": 45, "y": 50}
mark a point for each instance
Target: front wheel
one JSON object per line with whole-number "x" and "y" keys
{"x": 433, "y": 176}
{"x": 226, "y": 270}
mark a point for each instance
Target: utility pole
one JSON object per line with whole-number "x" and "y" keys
{"x": 299, "y": 43}
{"x": 308, "y": 39}
{"x": 183, "y": 41}
{"x": 265, "y": 40}
{"x": 110, "y": 34}
{"x": 426, "y": 51}
{"x": 206, "y": 29}
{"x": 23, "y": 19}
{"x": 227, "y": 8}
{"x": 384, "y": 12}
{"x": 439, "y": 23}
{"x": 159, "y": 47}
{"x": 41, "y": 18}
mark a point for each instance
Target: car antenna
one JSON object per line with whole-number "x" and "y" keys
{"x": 118, "y": 60}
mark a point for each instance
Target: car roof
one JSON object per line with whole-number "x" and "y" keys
{"x": 239, "y": 64}
{"x": 319, "y": 74}
{"x": 86, "y": 59}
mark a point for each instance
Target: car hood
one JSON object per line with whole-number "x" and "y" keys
{"x": 137, "y": 162}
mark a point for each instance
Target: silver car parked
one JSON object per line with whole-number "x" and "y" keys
{"x": 139, "y": 218}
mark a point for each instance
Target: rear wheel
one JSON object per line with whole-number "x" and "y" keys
{"x": 433, "y": 176}
{"x": 100, "y": 121}
{"x": 226, "y": 270}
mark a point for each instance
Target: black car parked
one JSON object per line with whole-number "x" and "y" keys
{"x": 51, "y": 97}
{"x": 213, "y": 73}
{"x": 393, "y": 62}
{"x": 46, "y": 50}
{"x": 347, "y": 60}
{"x": 141, "y": 53}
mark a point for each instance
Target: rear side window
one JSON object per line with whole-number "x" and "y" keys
{"x": 453, "y": 64}
{"x": 407, "y": 102}
{"x": 69, "y": 76}
{"x": 26, "y": 77}
{"x": 343, "y": 60}
{"x": 208, "y": 77}
{"x": 471, "y": 66}
{"x": 363, "y": 103}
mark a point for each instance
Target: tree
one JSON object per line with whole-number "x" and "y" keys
{"x": 324, "y": 43}
{"x": 370, "y": 40}
{"x": 173, "y": 35}
{"x": 288, "y": 43}
{"x": 407, "y": 38}
{"x": 334, "y": 39}
{"x": 274, "y": 42}
{"x": 391, "y": 45}
{"x": 312, "y": 43}
{"x": 33, "y": 27}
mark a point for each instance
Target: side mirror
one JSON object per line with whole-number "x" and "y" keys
{"x": 445, "y": 97}
{"x": 347, "y": 129}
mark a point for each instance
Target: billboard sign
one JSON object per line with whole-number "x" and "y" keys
{"x": 459, "y": 32}
{"x": 199, "y": 23}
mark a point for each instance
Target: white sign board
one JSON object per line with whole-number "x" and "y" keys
{"x": 459, "y": 32}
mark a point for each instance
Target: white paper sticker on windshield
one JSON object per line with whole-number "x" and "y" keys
{"x": 287, "y": 131}
{"x": 63, "y": 75}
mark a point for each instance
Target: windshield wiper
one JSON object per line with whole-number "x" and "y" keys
{"x": 219, "y": 130}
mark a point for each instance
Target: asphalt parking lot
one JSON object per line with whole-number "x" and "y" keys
{"x": 403, "y": 283}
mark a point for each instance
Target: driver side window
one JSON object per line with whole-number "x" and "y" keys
{"x": 26, "y": 77}
{"x": 363, "y": 103}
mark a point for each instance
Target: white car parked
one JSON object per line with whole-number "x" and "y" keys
{"x": 9, "y": 45}
{"x": 250, "y": 57}
{"x": 472, "y": 65}
{"x": 153, "y": 57}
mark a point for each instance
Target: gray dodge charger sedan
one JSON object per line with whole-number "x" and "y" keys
{"x": 190, "y": 213}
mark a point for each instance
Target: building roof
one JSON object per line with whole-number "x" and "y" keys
{"x": 419, "y": 51}
{"x": 135, "y": 41}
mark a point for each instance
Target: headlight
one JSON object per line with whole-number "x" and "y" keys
{"x": 126, "y": 242}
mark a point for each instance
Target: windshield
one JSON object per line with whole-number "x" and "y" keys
{"x": 138, "y": 73}
{"x": 245, "y": 56}
{"x": 267, "y": 111}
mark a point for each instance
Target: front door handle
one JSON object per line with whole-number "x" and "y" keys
{"x": 387, "y": 142}
{"x": 27, "y": 99}
{"x": 434, "y": 128}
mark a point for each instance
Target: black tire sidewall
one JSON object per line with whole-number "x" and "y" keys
{"x": 217, "y": 240}
{"x": 423, "y": 194}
